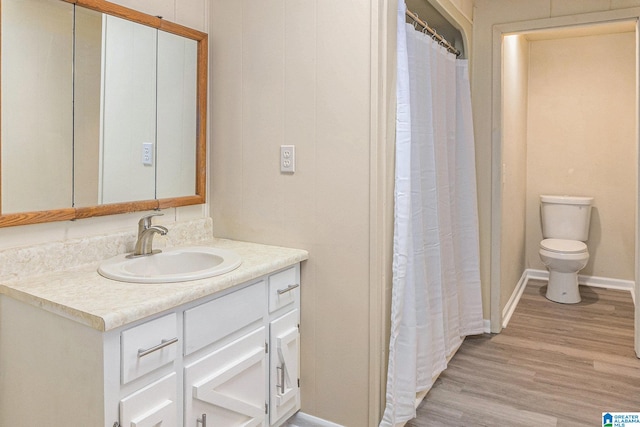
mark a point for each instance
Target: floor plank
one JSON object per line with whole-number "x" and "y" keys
{"x": 554, "y": 365}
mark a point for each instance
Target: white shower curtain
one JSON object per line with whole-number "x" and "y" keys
{"x": 436, "y": 278}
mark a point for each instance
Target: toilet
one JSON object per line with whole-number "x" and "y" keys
{"x": 565, "y": 228}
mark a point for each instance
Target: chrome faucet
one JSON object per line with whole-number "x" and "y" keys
{"x": 146, "y": 231}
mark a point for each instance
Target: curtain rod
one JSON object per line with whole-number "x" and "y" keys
{"x": 433, "y": 33}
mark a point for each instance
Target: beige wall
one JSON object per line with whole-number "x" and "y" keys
{"x": 581, "y": 141}
{"x": 193, "y": 13}
{"x": 514, "y": 154}
{"x": 299, "y": 73}
{"x": 487, "y": 14}
{"x": 465, "y": 7}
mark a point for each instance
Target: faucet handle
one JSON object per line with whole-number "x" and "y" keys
{"x": 145, "y": 221}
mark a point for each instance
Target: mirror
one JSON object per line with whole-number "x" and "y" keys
{"x": 136, "y": 85}
{"x": 103, "y": 111}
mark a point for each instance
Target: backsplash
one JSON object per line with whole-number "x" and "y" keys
{"x": 18, "y": 263}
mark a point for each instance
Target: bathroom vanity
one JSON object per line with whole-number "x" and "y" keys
{"x": 77, "y": 349}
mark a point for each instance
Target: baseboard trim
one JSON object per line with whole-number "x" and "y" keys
{"x": 300, "y": 419}
{"x": 536, "y": 274}
{"x": 486, "y": 326}
{"x": 608, "y": 283}
{"x": 511, "y": 305}
{"x": 530, "y": 273}
{"x": 605, "y": 282}
{"x": 595, "y": 281}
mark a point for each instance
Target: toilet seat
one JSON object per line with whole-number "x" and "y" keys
{"x": 563, "y": 246}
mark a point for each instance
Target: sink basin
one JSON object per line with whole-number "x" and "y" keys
{"x": 171, "y": 265}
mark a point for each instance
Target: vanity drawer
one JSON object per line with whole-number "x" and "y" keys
{"x": 230, "y": 312}
{"x": 283, "y": 289}
{"x": 148, "y": 346}
{"x": 153, "y": 405}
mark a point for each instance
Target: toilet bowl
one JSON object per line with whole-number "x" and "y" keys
{"x": 564, "y": 259}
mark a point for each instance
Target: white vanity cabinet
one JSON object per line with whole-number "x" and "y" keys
{"x": 227, "y": 359}
{"x": 234, "y": 376}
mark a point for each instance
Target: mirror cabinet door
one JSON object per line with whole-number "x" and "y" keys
{"x": 144, "y": 92}
{"x": 177, "y": 115}
{"x": 129, "y": 111}
{"x": 37, "y": 105}
{"x": 87, "y": 126}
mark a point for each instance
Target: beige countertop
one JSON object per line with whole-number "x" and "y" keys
{"x": 84, "y": 296}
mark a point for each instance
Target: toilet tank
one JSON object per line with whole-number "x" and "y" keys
{"x": 565, "y": 217}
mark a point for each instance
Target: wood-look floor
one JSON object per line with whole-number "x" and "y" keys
{"x": 554, "y": 365}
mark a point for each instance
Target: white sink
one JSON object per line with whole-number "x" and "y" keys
{"x": 171, "y": 265}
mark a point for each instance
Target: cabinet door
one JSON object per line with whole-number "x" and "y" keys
{"x": 151, "y": 406}
{"x": 284, "y": 370}
{"x": 228, "y": 385}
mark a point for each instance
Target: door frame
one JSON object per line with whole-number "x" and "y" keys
{"x": 496, "y": 143}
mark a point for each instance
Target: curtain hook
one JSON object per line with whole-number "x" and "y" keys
{"x": 438, "y": 39}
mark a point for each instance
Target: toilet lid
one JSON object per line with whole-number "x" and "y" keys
{"x": 565, "y": 246}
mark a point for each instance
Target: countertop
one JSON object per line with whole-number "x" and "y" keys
{"x": 84, "y": 296}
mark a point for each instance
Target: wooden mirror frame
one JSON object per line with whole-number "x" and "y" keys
{"x": 36, "y": 217}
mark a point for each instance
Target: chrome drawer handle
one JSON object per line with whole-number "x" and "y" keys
{"x": 202, "y": 421}
{"x": 142, "y": 352}
{"x": 280, "y": 380}
{"x": 288, "y": 289}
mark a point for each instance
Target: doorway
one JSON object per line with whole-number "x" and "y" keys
{"x": 539, "y": 148}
